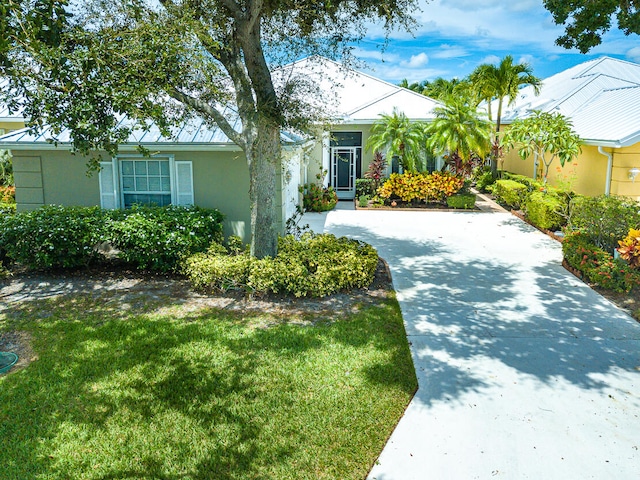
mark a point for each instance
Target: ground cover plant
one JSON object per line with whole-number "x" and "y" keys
{"x": 135, "y": 387}
{"x": 314, "y": 265}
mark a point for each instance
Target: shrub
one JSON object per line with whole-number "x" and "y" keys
{"x": 53, "y": 236}
{"x": 363, "y": 201}
{"x": 630, "y": 248}
{"x": 511, "y": 192}
{"x": 598, "y": 266}
{"x": 157, "y": 238}
{"x": 411, "y": 186}
{"x": 484, "y": 180}
{"x": 462, "y": 200}
{"x": 7, "y": 209}
{"x": 315, "y": 265}
{"x": 531, "y": 184}
{"x": 375, "y": 172}
{"x": 8, "y": 194}
{"x": 364, "y": 186}
{"x": 545, "y": 210}
{"x": 317, "y": 198}
{"x": 604, "y": 219}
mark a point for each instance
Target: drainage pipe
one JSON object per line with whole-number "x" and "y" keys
{"x": 607, "y": 187}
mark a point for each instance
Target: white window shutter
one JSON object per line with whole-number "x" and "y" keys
{"x": 184, "y": 183}
{"x": 108, "y": 192}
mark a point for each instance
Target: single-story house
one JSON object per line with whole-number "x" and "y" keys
{"x": 200, "y": 165}
{"x": 601, "y": 97}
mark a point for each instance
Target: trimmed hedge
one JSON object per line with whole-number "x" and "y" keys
{"x": 68, "y": 237}
{"x": 315, "y": 265}
{"x": 545, "y": 210}
{"x": 462, "y": 200}
{"x": 598, "y": 266}
{"x": 523, "y": 179}
{"x": 511, "y": 192}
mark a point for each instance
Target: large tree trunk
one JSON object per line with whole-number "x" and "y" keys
{"x": 263, "y": 159}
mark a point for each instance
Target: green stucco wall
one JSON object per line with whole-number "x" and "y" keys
{"x": 220, "y": 180}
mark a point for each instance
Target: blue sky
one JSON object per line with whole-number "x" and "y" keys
{"x": 454, "y": 36}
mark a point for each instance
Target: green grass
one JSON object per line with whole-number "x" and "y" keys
{"x": 154, "y": 393}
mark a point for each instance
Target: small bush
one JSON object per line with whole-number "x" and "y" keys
{"x": 317, "y": 198}
{"x": 364, "y": 186}
{"x": 7, "y": 208}
{"x": 604, "y": 219}
{"x": 315, "y": 265}
{"x": 511, "y": 192}
{"x": 363, "y": 201}
{"x": 421, "y": 187}
{"x": 8, "y": 194}
{"x": 629, "y": 249}
{"x": 484, "y": 180}
{"x": 532, "y": 185}
{"x": 53, "y": 236}
{"x": 157, "y": 238}
{"x": 545, "y": 210}
{"x": 598, "y": 266}
{"x": 462, "y": 200}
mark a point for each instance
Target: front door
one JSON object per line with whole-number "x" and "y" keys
{"x": 346, "y": 160}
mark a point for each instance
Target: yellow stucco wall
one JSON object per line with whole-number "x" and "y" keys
{"x": 7, "y": 127}
{"x": 588, "y": 172}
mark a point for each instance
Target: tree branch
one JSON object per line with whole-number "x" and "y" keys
{"x": 210, "y": 111}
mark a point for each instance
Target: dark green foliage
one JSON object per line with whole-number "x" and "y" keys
{"x": 157, "y": 238}
{"x": 315, "y": 265}
{"x": 604, "y": 219}
{"x": 531, "y": 184}
{"x": 511, "y": 192}
{"x": 69, "y": 237}
{"x": 317, "y": 198}
{"x": 545, "y": 210}
{"x": 53, "y": 236}
{"x": 364, "y": 186}
{"x": 598, "y": 266}
{"x": 585, "y": 21}
{"x": 7, "y": 209}
{"x": 462, "y": 200}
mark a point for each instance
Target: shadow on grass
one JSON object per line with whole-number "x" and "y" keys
{"x": 123, "y": 394}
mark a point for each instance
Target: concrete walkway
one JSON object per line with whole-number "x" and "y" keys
{"x": 524, "y": 372}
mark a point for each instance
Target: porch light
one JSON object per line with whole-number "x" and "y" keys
{"x": 633, "y": 173}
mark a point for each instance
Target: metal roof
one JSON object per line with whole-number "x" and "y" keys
{"x": 601, "y": 97}
{"x": 344, "y": 94}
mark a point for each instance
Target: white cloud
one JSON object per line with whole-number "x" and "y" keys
{"x": 416, "y": 61}
{"x": 492, "y": 59}
{"x": 633, "y": 54}
{"x": 526, "y": 58}
{"x": 395, "y": 73}
{"x": 446, "y": 51}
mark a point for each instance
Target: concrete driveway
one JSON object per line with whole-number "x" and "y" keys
{"x": 524, "y": 372}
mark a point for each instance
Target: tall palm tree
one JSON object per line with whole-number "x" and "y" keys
{"x": 459, "y": 130}
{"x": 502, "y": 82}
{"x": 400, "y": 137}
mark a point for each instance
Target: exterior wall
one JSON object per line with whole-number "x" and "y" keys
{"x": 7, "y": 127}
{"x": 220, "y": 180}
{"x": 625, "y": 159}
{"x": 587, "y": 173}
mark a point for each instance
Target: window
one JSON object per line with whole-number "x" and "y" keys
{"x": 145, "y": 182}
{"x": 133, "y": 179}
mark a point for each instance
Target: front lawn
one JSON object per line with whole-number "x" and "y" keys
{"x": 159, "y": 392}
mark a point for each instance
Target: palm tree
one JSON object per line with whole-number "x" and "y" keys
{"x": 460, "y": 130}
{"x": 400, "y": 137}
{"x": 493, "y": 82}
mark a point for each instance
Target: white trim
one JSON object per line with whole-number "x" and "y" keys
{"x": 180, "y": 195}
{"x": 162, "y": 157}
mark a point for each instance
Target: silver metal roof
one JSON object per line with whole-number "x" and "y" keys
{"x": 601, "y": 97}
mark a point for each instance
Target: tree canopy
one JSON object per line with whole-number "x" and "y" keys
{"x": 585, "y": 21}
{"x": 83, "y": 65}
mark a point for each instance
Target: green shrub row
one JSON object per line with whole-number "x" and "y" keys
{"x": 316, "y": 266}
{"x": 511, "y": 192}
{"x": 68, "y": 237}
{"x": 462, "y": 200}
{"x": 545, "y": 210}
{"x": 598, "y": 266}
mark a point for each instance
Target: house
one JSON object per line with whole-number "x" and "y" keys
{"x": 199, "y": 165}
{"x": 601, "y": 97}
{"x": 9, "y": 121}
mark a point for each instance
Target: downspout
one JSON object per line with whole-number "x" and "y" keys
{"x": 607, "y": 187}
{"x": 535, "y": 166}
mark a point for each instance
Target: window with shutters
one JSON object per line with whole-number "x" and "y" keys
{"x": 158, "y": 181}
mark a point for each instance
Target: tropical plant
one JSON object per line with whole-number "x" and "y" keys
{"x": 6, "y": 168}
{"x": 546, "y": 136}
{"x": 376, "y": 170}
{"x": 400, "y": 137}
{"x": 502, "y": 81}
{"x": 460, "y": 131}
{"x": 629, "y": 249}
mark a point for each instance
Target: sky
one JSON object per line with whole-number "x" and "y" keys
{"x": 455, "y": 36}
